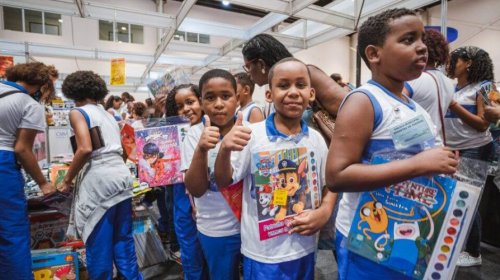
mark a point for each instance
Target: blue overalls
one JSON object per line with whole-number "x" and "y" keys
{"x": 15, "y": 255}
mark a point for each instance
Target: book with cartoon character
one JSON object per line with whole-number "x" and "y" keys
{"x": 158, "y": 154}
{"x": 285, "y": 185}
{"x": 398, "y": 226}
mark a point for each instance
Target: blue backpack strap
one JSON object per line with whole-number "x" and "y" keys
{"x": 85, "y": 115}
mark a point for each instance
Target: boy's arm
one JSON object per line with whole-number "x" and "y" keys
{"x": 256, "y": 115}
{"x": 235, "y": 140}
{"x": 475, "y": 121}
{"x": 328, "y": 92}
{"x": 196, "y": 179}
{"x": 353, "y": 129}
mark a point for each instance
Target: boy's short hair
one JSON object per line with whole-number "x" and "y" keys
{"x": 217, "y": 73}
{"x": 245, "y": 79}
{"x": 375, "y": 29}
{"x": 288, "y": 59}
{"x": 81, "y": 85}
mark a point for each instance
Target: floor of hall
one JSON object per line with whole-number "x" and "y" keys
{"x": 326, "y": 268}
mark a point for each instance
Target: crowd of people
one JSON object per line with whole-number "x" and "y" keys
{"x": 412, "y": 74}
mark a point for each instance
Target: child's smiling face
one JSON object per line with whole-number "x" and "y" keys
{"x": 403, "y": 56}
{"x": 219, "y": 101}
{"x": 290, "y": 89}
{"x": 188, "y": 105}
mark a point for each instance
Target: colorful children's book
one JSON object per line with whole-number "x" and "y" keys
{"x": 285, "y": 185}
{"x": 57, "y": 173}
{"x": 414, "y": 227}
{"x": 233, "y": 194}
{"x": 55, "y": 264}
{"x": 159, "y": 155}
{"x": 128, "y": 141}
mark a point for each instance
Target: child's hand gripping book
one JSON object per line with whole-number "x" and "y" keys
{"x": 285, "y": 185}
{"x": 416, "y": 227}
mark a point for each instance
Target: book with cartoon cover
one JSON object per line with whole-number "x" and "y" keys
{"x": 127, "y": 135}
{"x": 285, "y": 185}
{"x": 159, "y": 155}
{"x": 398, "y": 226}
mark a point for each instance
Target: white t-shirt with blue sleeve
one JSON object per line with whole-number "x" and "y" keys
{"x": 214, "y": 217}
{"x": 265, "y": 137}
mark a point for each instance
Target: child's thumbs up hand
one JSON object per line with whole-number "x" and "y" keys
{"x": 238, "y": 136}
{"x": 239, "y": 119}
{"x": 209, "y": 137}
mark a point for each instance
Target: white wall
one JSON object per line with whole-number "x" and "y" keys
{"x": 478, "y": 24}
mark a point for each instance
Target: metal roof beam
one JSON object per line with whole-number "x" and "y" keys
{"x": 333, "y": 33}
{"x": 165, "y": 40}
{"x": 322, "y": 15}
{"x": 38, "y": 49}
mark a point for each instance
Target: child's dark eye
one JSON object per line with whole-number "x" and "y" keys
{"x": 283, "y": 86}
{"x": 226, "y": 96}
{"x": 301, "y": 85}
{"x": 408, "y": 40}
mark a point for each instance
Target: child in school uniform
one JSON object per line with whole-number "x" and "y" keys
{"x": 219, "y": 229}
{"x": 290, "y": 255}
{"x": 102, "y": 210}
{"x": 184, "y": 100}
{"x": 391, "y": 45}
{"x": 244, "y": 89}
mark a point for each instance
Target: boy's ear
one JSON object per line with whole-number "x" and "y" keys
{"x": 372, "y": 54}
{"x": 269, "y": 96}
{"x": 312, "y": 97}
{"x": 247, "y": 89}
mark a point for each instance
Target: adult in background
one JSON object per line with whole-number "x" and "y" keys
{"x": 433, "y": 90}
{"x": 467, "y": 130}
{"x": 261, "y": 52}
{"x": 22, "y": 118}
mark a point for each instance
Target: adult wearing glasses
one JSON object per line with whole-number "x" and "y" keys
{"x": 466, "y": 128}
{"x": 261, "y": 52}
{"x": 22, "y": 118}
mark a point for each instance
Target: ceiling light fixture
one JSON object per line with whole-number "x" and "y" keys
{"x": 124, "y": 28}
{"x": 226, "y": 3}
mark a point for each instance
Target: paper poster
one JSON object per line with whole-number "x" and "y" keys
{"x": 166, "y": 83}
{"x": 5, "y": 62}
{"x": 158, "y": 154}
{"x": 285, "y": 185}
{"x": 413, "y": 225}
{"x": 117, "y": 76}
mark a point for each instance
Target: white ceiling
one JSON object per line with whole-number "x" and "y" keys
{"x": 228, "y": 31}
